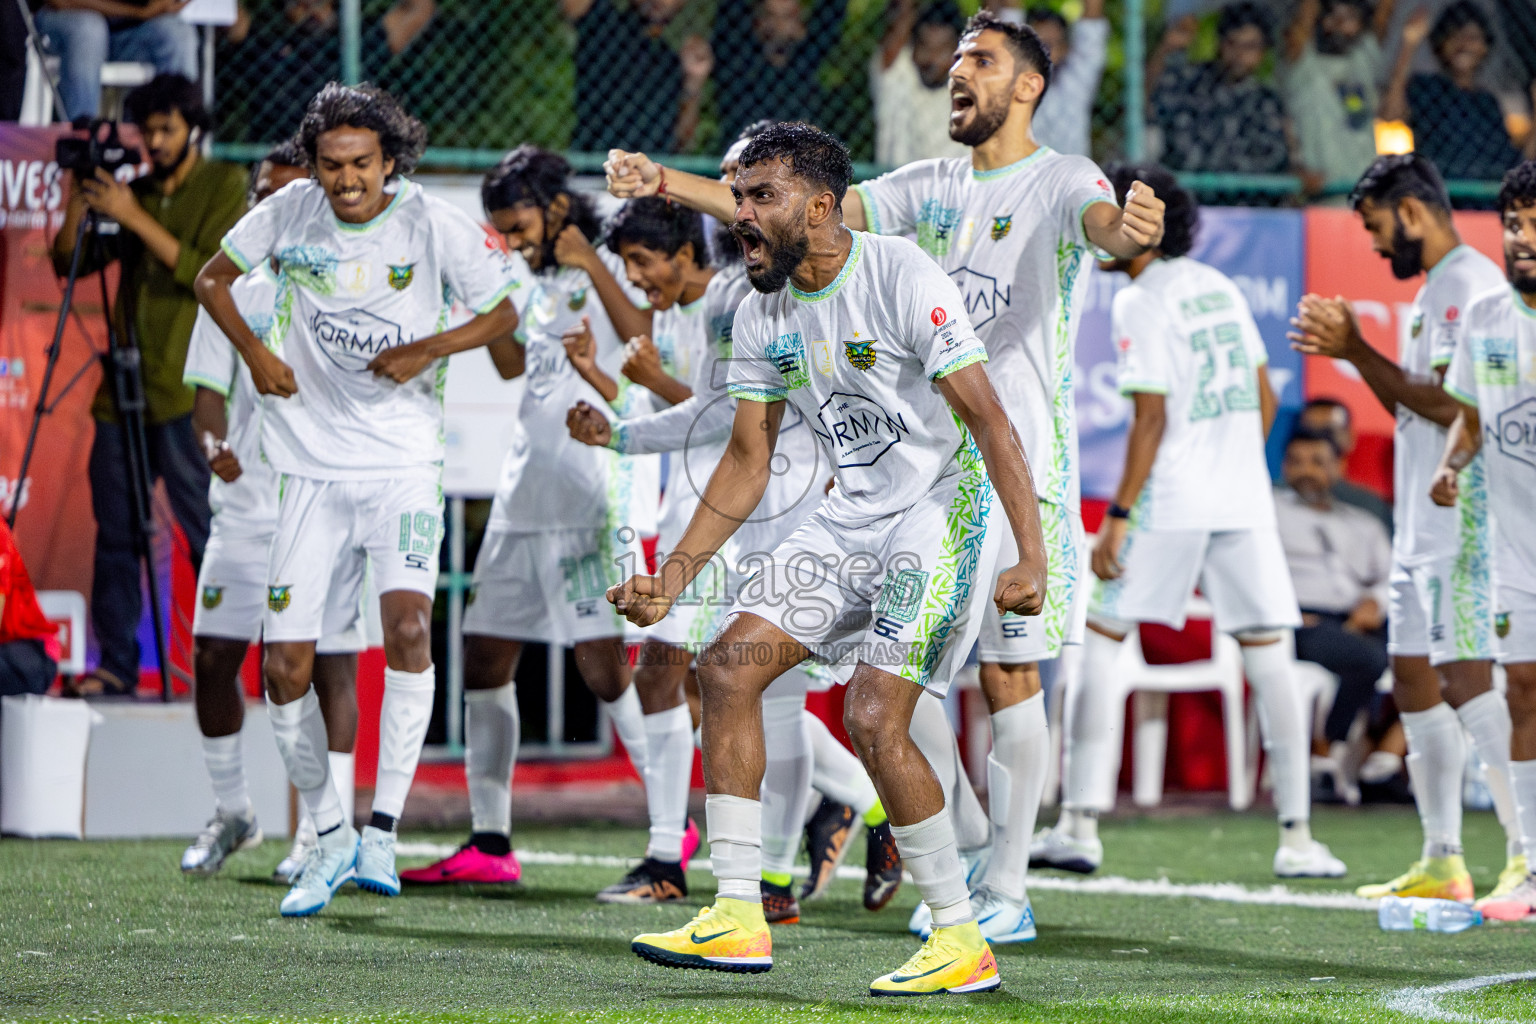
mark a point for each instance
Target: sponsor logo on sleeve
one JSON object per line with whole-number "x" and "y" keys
{"x": 787, "y": 353}
{"x": 1495, "y": 363}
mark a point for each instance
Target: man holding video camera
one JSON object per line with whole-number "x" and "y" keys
{"x": 170, "y": 223}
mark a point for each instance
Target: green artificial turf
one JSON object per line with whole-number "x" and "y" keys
{"x": 112, "y": 931}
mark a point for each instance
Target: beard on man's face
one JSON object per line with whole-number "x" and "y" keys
{"x": 1407, "y": 254}
{"x": 1525, "y": 284}
{"x": 985, "y": 121}
{"x": 160, "y": 171}
{"x": 779, "y": 260}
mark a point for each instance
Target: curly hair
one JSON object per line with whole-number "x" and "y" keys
{"x": 1023, "y": 43}
{"x": 1181, "y": 214}
{"x": 401, "y": 137}
{"x": 1457, "y": 17}
{"x": 1399, "y": 176}
{"x": 1519, "y": 187}
{"x": 813, "y": 155}
{"x": 533, "y": 176}
{"x": 658, "y": 225}
{"x": 288, "y": 153}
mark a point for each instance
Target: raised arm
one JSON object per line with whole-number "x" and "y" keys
{"x": 572, "y": 249}
{"x": 1129, "y": 231}
{"x": 733, "y": 492}
{"x": 898, "y": 32}
{"x": 1300, "y": 31}
{"x": 633, "y": 175}
{"x": 1020, "y": 588}
{"x": 1176, "y": 39}
{"x": 1394, "y": 99}
{"x": 271, "y": 375}
{"x": 1329, "y": 327}
{"x": 1381, "y": 21}
{"x": 405, "y": 21}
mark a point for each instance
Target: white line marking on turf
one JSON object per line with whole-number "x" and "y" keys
{"x": 1424, "y": 1002}
{"x": 1220, "y": 892}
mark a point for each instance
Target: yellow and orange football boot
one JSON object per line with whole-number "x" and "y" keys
{"x": 730, "y": 936}
{"x": 1436, "y": 878}
{"x": 955, "y": 959}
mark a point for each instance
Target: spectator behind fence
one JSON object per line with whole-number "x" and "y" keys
{"x": 1218, "y": 116}
{"x": 909, "y": 79}
{"x": 1332, "y": 417}
{"x": 1340, "y": 560}
{"x": 171, "y": 222}
{"x": 29, "y": 646}
{"x": 1334, "y": 64}
{"x": 298, "y": 53}
{"x": 1456, "y": 123}
{"x": 633, "y": 90}
{"x": 1064, "y": 120}
{"x": 768, "y": 56}
{"x": 87, "y": 33}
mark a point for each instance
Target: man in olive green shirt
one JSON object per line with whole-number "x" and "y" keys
{"x": 171, "y": 222}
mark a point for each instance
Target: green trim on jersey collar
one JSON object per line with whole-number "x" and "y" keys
{"x": 1520, "y": 306}
{"x": 842, "y": 275}
{"x": 1013, "y": 168}
{"x": 1460, "y": 249}
{"x": 405, "y": 187}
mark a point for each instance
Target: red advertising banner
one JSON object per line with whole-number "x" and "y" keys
{"x": 1340, "y": 261}
{"x": 54, "y": 527}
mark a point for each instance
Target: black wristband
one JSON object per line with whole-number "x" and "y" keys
{"x": 1118, "y": 512}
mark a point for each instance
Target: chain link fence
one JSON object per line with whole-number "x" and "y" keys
{"x": 1262, "y": 102}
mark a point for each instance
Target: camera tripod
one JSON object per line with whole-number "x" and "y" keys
{"x": 122, "y": 363}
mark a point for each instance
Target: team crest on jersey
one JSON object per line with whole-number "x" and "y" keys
{"x": 1001, "y": 226}
{"x": 1501, "y": 624}
{"x": 400, "y": 277}
{"x": 577, "y": 300}
{"x": 787, "y": 353}
{"x": 861, "y": 354}
{"x": 278, "y": 597}
{"x": 1418, "y": 325}
{"x": 213, "y": 597}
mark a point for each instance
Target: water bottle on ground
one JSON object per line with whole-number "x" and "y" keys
{"x": 1418, "y": 913}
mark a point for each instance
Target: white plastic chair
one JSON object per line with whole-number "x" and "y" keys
{"x": 1151, "y": 684}
{"x": 37, "y": 97}
{"x": 67, "y": 608}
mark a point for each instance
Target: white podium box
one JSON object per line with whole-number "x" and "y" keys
{"x": 145, "y": 775}
{"x": 43, "y": 743}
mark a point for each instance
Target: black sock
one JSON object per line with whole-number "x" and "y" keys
{"x": 383, "y": 822}
{"x": 492, "y": 844}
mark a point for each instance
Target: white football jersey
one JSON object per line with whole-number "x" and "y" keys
{"x": 857, "y": 360}
{"x": 1494, "y": 368}
{"x": 346, "y": 293}
{"x": 1422, "y": 530}
{"x": 1013, "y": 241}
{"x": 1184, "y": 330}
{"x": 550, "y": 481}
{"x": 213, "y": 363}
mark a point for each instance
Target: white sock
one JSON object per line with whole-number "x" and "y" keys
{"x": 491, "y": 734}
{"x": 629, "y": 723}
{"x": 299, "y": 731}
{"x": 1522, "y": 779}
{"x": 735, "y": 827}
{"x": 786, "y": 785}
{"x": 1271, "y": 670}
{"x": 836, "y": 772}
{"x": 933, "y": 735}
{"x": 1486, "y": 718}
{"x": 344, "y": 777}
{"x": 403, "y": 722}
{"x": 226, "y": 770}
{"x": 668, "y": 775}
{"x": 1437, "y": 754}
{"x": 1091, "y": 761}
{"x": 928, "y": 851}
{"x": 1016, "y": 769}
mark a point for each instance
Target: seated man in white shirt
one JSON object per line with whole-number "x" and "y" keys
{"x": 1340, "y": 558}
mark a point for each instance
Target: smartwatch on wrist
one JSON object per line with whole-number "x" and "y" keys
{"x": 1118, "y": 512}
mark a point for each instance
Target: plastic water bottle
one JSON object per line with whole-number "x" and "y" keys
{"x": 1417, "y": 913}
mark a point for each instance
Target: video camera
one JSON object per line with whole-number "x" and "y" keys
{"x": 103, "y": 149}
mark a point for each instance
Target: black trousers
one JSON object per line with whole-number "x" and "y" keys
{"x": 25, "y": 668}
{"x": 1358, "y": 659}
{"x": 116, "y": 599}
{"x": 13, "y": 60}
